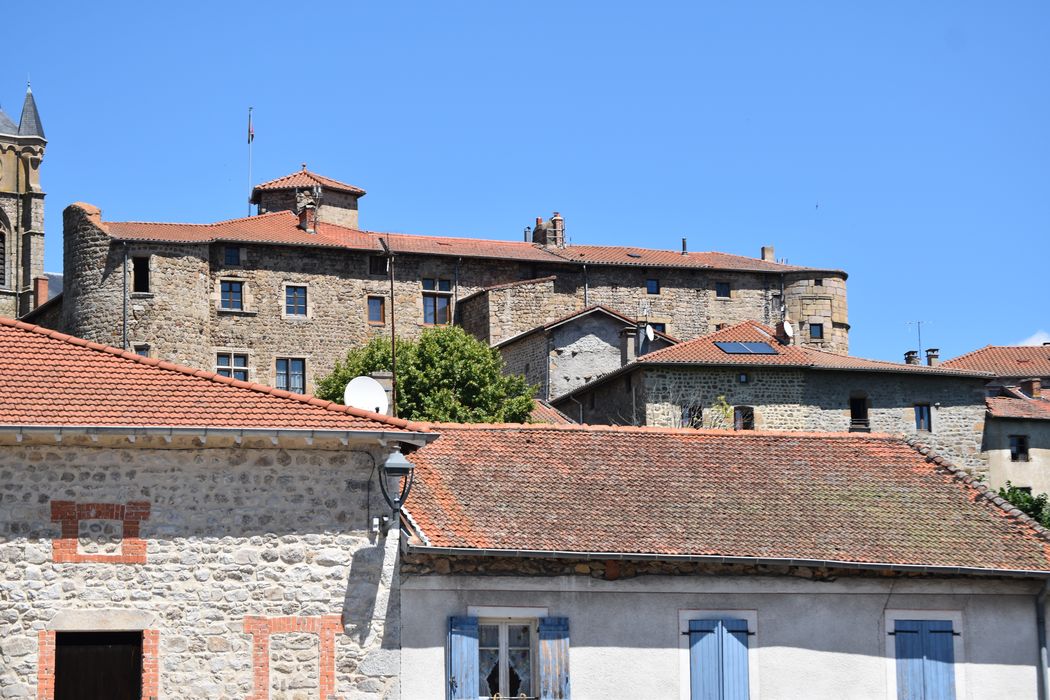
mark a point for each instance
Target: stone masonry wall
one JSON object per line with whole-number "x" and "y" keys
{"x": 810, "y": 300}
{"x": 261, "y": 579}
{"x": 528, "y": 357}
{"x": 582, "y": 350}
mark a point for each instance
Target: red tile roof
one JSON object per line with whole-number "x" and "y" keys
{"x": 49, "y": 378}
{"x": 305, "y": 178}
{"x": 543, "y": 412}
{"x": 703, "y": 351}
{"x": 1006, "y": 360}
{"x": 646, "y": 257}
{"x": 643, "y": 491}
{"x": 626, "y": 320}
{"x": 1015, "y": 407}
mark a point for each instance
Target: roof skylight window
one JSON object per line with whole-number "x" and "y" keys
{"x": 746, "y": 348}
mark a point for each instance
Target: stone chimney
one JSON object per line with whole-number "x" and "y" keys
{"x": 911, "y": 357}
{"x": 1032, "y": 387}
{"x": 933, "y": 357}
{"x": 550, "y": 233}
{"x": 630, "y": 342}
{"x": 306, "y": 202}
{"x": 386, "y": 380}
{"x": 767, "y": 253}
{"x": 39, "y": 291}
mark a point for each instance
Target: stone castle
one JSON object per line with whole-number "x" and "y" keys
{"x": 277, "y": 298}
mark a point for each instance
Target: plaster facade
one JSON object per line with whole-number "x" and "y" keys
{"x": 250, "y": 569}
{"x": 1033, "y": 473}
{"x": 811, "y": 639}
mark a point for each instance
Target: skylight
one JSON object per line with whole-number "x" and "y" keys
{"x": 746, "y": 348}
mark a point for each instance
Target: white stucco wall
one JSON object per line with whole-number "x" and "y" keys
{"x": 813, "y": 639}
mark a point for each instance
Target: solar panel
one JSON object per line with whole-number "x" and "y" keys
{"x": 746, "y": 348}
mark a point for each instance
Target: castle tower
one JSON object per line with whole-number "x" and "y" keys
{"x": 23, "y": 285}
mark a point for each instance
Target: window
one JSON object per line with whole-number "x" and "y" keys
{"x": 291, "y": 374}
{"x": 1018, "y": 448}
{"x": 508, "y": 658}
{"x": 231, "y": 255}
{"x": 231, "y": 295}
{"x": 818, "y": 282}
{"x": 925, "y": 658}
{"x": 377, "y": 310}
{"x": 142, "y": 349}
{"x": 229, "y": 364}
{"x": 722, "y": 290}
{"x": 923, "y": 419}
{"x": 659, "y": 327}
{"x": 295, "y": 300}
{"x": 718, "y": 663}
{"x": 652, "y": 286}
{"x": 377, "y": 265}
{"x": 436, "y": 294}
{"x": 692, "y": 416}
{"x": 721, "y": 326}
{"x": 140, "y": 270}
{"x": 743, "y": 418}
{"x": 816, "y": 331}
{"x": 858, "y": 414}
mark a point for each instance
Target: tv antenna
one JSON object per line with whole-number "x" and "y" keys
{"x": 918, "y": 330}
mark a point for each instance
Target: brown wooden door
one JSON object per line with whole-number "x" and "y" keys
{"x": 98, "y": 666}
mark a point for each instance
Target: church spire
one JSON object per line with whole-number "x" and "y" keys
{"x": 29, "y": 124}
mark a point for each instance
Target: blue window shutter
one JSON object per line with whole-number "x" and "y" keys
{"x": 705, "y": 660}
{"x": 938, "y": 669}
{"x": 554, "y": 658}
{"x": 462, "y": 658}
{"x": 734, "y": 659}
{"x": 908, "y": 650}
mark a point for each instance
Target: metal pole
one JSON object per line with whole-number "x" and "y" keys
{"x": 393, "y": 330}
{"x": 125, "y": 332}
{"x": 251, "y": 137}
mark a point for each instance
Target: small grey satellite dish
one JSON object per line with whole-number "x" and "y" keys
{"x": 367, "y": 394}
{"x": 649, "y": 332}
{"x": 788, "y": 330}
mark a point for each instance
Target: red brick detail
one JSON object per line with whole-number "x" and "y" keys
{"x": 325, "y": 626}
{"x": 45, "y": 669}
{"x": 69, "y": 514}
{"x": 150, "y": 664}
{"x": 45, "y": 665}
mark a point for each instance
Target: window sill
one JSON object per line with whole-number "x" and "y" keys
{"x": 377, "y": 324}
{"x": 295, "y": 319}
{"x": 723, "y": 298}
{"x": 142, "y": 295}
{"x": 236, "y": 312}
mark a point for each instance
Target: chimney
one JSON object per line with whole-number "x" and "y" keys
{"x": 933, "y": 357}
{"x": 386, "y": 380}
{"x": 39, "y": 291}
{"x": 630, "y": 341}
{"x": 911, "y": 357}
{"x": 1032, "y": 387}
{"x": 685, "y": 251}
{"x": 767, "y": 253}
{"x": 308, "y": 219}
{"x": 550, "y": 233}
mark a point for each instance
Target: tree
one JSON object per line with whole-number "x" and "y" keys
{"x": 446, "y": 375}
{"x": 1035, "y": 507}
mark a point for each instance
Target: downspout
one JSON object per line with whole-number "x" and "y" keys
{"x": 585, "y": 287}
{"x": 393, "y": 332}
{"x": 1040, "y": 622}
{"x": 125, "y": 331}
{"x": 547, "y": 370}
{"x": 455, "y": 292}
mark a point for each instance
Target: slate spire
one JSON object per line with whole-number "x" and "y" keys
{"x": 6, "y": 125}
{"x": 29, "y": 124}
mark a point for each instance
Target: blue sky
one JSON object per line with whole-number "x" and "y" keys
{"x": 907, "y": 143}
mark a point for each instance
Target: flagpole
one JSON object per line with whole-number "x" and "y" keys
{"x": 251, "y": 137}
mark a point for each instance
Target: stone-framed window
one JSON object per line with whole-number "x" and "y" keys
{"x": 743, "y": 417}
{"x": 816, "y": 331}
{"x": 723, "y": 290}
{"x": 437, "y": 297}
{"x": 291, "y": 374}
{"x": 141, "y": 349}
{"x": 652, "y": 286}
{"x": 377, "y": 265}
{"x": 376, "y": 310}
{"x": 296, "y": 300}
{"x": 923, "y": 417}
{"x": 232, "y": 364}
{"x": 231, "y": 295}
{"x": 232, "y": 256}
{"x": 140, "y": 274}
{"x": 1018, "y": 448}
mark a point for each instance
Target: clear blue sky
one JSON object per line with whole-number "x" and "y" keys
{"x": 907, "y": 143}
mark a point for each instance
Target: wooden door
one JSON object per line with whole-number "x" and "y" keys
{"x": 98, "y": 666}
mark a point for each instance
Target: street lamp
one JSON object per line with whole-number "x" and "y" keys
{"x": 395, "y": 479}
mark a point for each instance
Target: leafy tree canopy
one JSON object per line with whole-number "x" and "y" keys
{"x": 445, "y": 375}
{"x": 1035, "y": 507}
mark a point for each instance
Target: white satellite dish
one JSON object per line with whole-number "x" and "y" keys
{"x": 649, "y": 332}
{"x": 367, "y": 394}
{"x": 788, "y": 330}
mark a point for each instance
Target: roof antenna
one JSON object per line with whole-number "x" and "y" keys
{"x": 918, "y": 328}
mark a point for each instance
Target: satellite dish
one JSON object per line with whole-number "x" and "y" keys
{"x": 788, "y": 330}
{"x": 649, "y": 332}
{"x": 367, "y": 394}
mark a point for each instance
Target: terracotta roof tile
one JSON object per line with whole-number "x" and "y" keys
{"x": 646, "y": 257}
{"x": 826, "y": 497}
{"x": 305, "y": 178}
{"x": 49, "y": 378}
{"x": 543, "y": 412}
{"x": 1006, "y": 360}
{"x": 1015, "y": 407}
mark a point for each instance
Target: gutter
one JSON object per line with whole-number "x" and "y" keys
{"x": 237, "y": 434}
{"x": 719, "y": 559}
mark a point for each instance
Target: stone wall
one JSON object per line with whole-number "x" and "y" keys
{"x": 528, "y": 356}
{"x": 583, "y": 350}
{"x": 509, "y": 310}
{"x": 261, "y": 579}
{"x": 810, "y": 300}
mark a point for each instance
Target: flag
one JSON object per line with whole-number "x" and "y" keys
{"x": 251, "y": 130}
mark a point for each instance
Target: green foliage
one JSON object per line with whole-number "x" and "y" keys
{"x": 446, "y": 375}
{"x": 1034, "y": 507}
{"x": 721, "y": 413}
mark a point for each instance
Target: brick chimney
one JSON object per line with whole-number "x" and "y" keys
{"x": 911, "y": 357}
{"x": 933, "y": 357}
{"x": 767, "y": 253}
{"x": 1032, "y": 387}
{"x": 39, "y": 291}
{"x": 550, "y": 233}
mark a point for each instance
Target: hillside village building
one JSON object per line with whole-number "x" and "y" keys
{"x": 23, "y": 284}
{"x": 277, "y": 298}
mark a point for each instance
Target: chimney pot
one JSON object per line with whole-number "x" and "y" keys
{"x": 933, "y": 357}
{"x": 911, "y": 357}
{"x": 767, "y": 253}
{"x": 539, "y": 221}
{"x": 685, "y": 251}
{"x": 1033, "y": 387}
{"x": 39, "y": 291}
